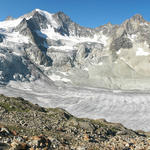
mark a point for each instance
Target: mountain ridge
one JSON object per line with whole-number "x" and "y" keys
{"x": 55, "y": 41}
{"x": 102, "y": 72}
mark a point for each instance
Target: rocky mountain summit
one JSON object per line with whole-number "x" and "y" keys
{"x": 44, "y": 45}
{"x": 26, "y": 126}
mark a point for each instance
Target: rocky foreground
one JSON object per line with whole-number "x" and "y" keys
{"x": 26, "y": 126}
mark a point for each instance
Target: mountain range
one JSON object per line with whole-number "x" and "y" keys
{"x": 54, "y": 62}
{"x": 41, "y": 44}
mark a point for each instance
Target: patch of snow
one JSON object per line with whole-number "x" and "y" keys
{"x": 144, "y": 24}
{"x": 86, "y": 69}
{"x": 10, "y": 23}
{"x": 2, "y": 55}
{"x": 18, "y": 38}
{"x": 104, "y": 39}
{"x": 66, "y": 80}
{"x": 96, "y": 37}
{"x": 97, "y": 64}
{"x": 122, "y": 58}
{"x": 132, "y": 37}
{"x": 51, "y": 34}
{"x": 100, "y": 38}
{"x": 141, "y": 52}
{"x": 16, "y": 49}
{"x": 116, "y": 91}
{"x": 17, "y": 53}
{"x": 63, "y": 48}
{"x": 20, "y": 85}
{"x": 70, "y": 41}
{"x": 118, "y": 52}
{"x": 15, "y": 37}
{"x": 27, "y": 18}
{"x": 100, "y": 64}
{"x": 64, "y": 73}
{"x": 55, "y": 77}
{"x": 146, "y": 44}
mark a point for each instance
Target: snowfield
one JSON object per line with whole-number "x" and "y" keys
{"x": 141, "y": 52}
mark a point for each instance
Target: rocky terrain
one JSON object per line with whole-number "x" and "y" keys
{"x": 26, "y": 126}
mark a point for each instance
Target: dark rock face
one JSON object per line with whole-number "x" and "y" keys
{"x": 68, "y": 27}
{"x": 1, "y": 38}
{"x": 90, "y": 52}
{"x": 121, "y": 42}
{"x": 84, "y": 51}
{"x": 133, "y": 25}
{"x": 129, "y": 28}
{"x": 23, "y": 28}
{"x": 38, "y": 56}
{"x": 63, "y": 21}
{"x": 39, "y": 21}
{"x": 9, "y": 18}
{"x": 138, "y": 18}
{"x": 108, "y": 29}
{"x": 29, "y": 28}
{"x": 62, "y": 59}
{"x": 13, "y": 66}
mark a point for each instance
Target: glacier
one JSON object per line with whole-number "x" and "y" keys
{"x": 95, "y": 73}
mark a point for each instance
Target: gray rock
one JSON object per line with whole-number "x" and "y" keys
{"x": 1, "y": 38}
{"x": 121, "y": 42}
{"x": 9, "y": 18}
{"x": 69, "y": 28}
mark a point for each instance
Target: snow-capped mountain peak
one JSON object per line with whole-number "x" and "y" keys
{"x": 53, "y": 42}
{"x": 48, "y": 16}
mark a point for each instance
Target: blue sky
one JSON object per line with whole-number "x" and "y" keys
{"x": 89, "y": 13}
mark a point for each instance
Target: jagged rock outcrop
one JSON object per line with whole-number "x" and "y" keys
{"x": 88, "y": 53}
{"x": 1, "y": 37}
{"x": 69, "y": 28}
{"x": 121, "y": 42}
{"x": 36, "y": 51}
{"x": 9, "y": 18}
{"x": 12, "y": 67}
